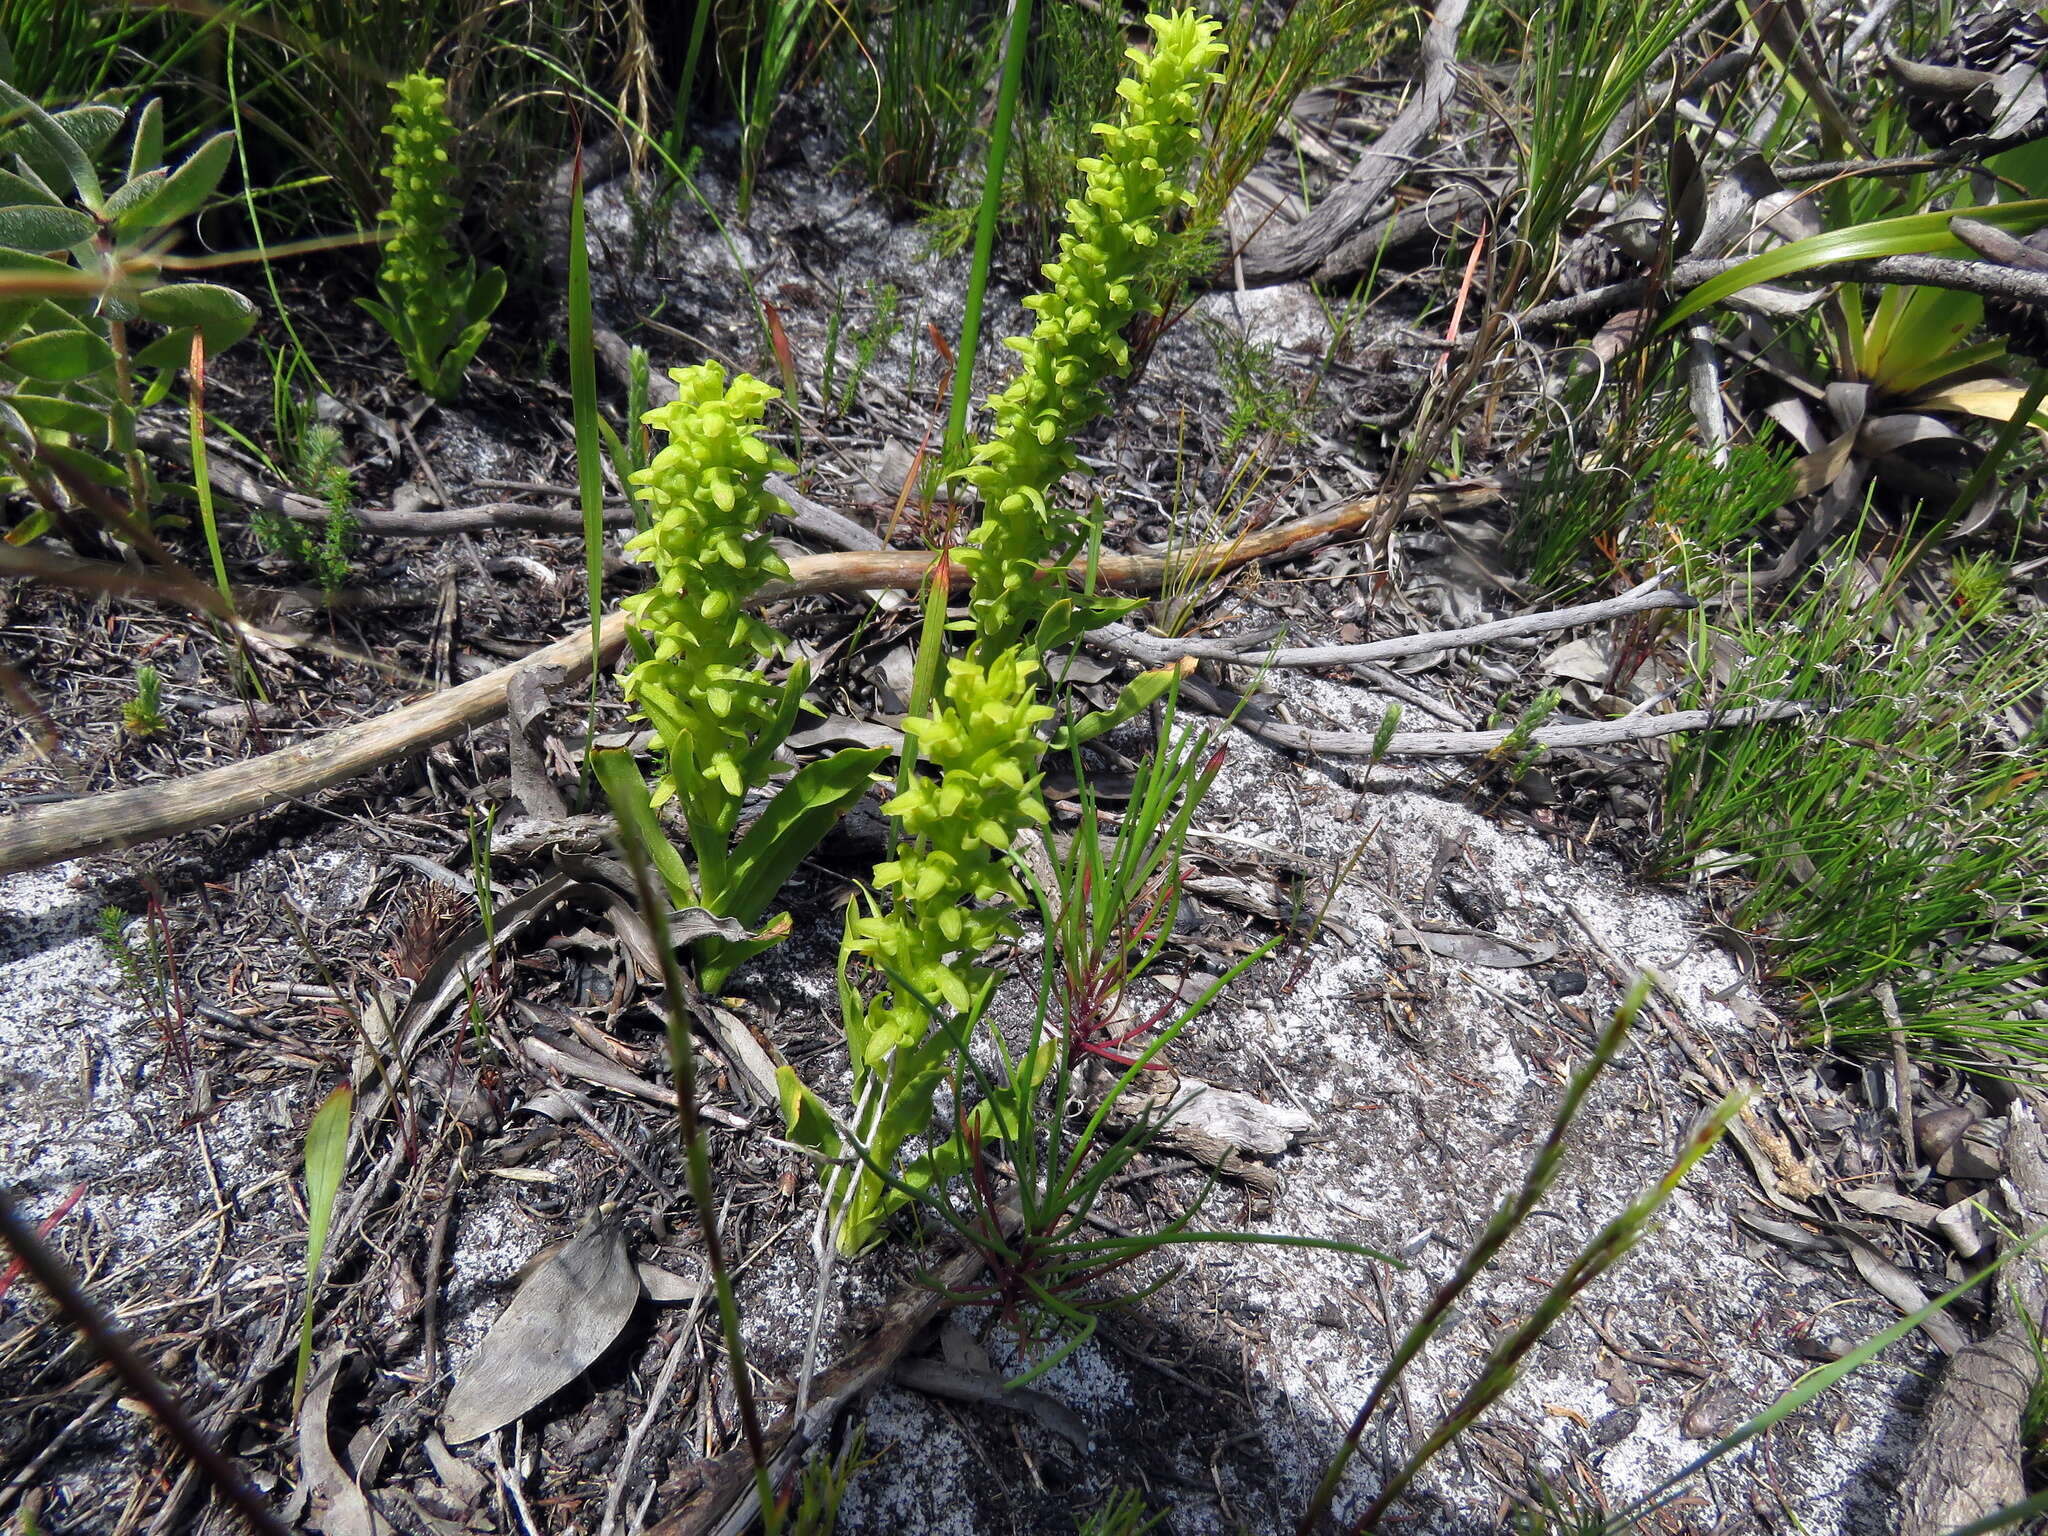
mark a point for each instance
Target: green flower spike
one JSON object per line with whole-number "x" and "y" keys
{"x": 1096, "y": 286}
{"x": 713, "y": 709}
{"x": 435, "y": 306}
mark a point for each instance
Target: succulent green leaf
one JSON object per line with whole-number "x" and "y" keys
{"x": 1136, "y": 696}
{"x": 56, "y": 357}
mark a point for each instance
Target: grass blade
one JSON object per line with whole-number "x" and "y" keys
{"x": 589, "y": 442}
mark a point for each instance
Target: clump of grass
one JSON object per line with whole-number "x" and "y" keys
{"x": 907, "y": 96}
{"x": 1899, "y": 838}
{"x": 884, "y": 305}
{"x": 1651, "y": 495}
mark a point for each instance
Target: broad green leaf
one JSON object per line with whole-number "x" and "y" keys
{"x": 219, "y": 314}
{"x": 46, "y": 148}
{"x": 146, "y": 148}
{"x": 799, "y": 816}
{"x": 1948, "y": 366}
{"x": 58, "y": 356}
{"x": 486, "y": 293}
{"x": 182, "y": 192}
{"x": 1133, "y": 700}
{"x": 133, "y": 193}
{"x": 39, "y": 227}
{"x": 1915, "y": 234}
{"x": 1916, "y": 332}
{"x": 326, "y": 1160}
{"x": 15, "y": 263}
{"x": 58, "y": 415}
{"x": 620, "y": 778}
{"x": 88, "y": 466}
{"x": 92, "y": 126}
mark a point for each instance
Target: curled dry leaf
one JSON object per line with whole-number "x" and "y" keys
{"x": 335, "y": 1505}
{"x": 565, "y": 1314}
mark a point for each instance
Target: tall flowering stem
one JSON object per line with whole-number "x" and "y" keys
{"x": 948, "y": 894}
{"x": 1095, "y": 287}
{"x": 436, "y": 307}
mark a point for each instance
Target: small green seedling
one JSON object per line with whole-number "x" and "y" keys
{"x": 143, "y": 715}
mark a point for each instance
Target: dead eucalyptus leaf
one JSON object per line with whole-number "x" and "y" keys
{"x": 1468, "y": 946}
{"x": 335, "y": 1505}
{"x": 940, "y": 1379}
{"x": 562, "y": 1318}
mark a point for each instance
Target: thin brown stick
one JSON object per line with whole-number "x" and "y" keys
{"x": 123, "y": 817}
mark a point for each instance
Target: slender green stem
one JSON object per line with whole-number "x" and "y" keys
{"x": 985, "y": 230}
{"x": 589, "y": 445}
{"x": 683, "y": 1062}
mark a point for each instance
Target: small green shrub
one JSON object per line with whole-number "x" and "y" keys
{"x": 435, "y": 307}
{"x": 81, "y": 285}
{"x": 318, "y": 469}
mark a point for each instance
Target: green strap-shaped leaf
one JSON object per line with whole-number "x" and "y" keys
{"x": 627, "y": 791}
{"x": 326, "y": 1160}
{"x": 59, "y": 415}
{"x": 794, "y": 823}
{"x": 1132, "y": 700}
{"x": 1915, "y": 234}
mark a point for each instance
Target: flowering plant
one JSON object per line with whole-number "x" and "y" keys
{"x": 702, "y": 681}
{"x": 437, "y": 310}
{"x": 949, "y": 889}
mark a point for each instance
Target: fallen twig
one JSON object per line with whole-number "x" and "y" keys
{"x": 1593, "y": 733}
{"x": 1151, "y": 650}
{"x": 1325, "y": 244}
{"x": 1988, "y": 279}
{"x": 123, "y": 817}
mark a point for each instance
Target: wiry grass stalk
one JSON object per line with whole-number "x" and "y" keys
{"x": 1503, "y": 1224}
{"x": 1503, "y": 1363}
{"x": 589, "y": 444}
{"x": 697, "y": 1161}
{"x": 985, "y": 233}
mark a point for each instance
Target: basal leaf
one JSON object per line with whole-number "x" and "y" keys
{"x": 796, "y": 820}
